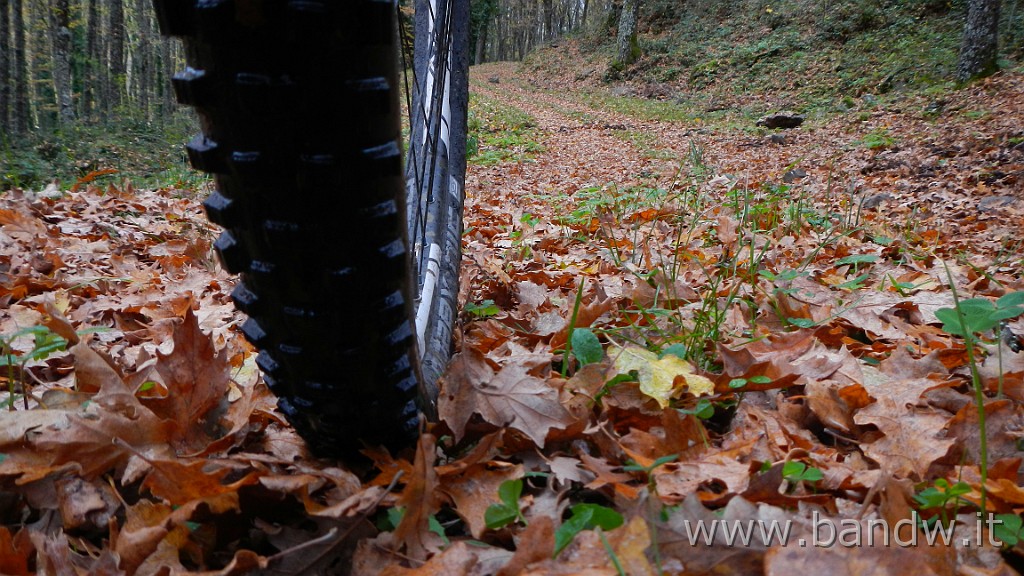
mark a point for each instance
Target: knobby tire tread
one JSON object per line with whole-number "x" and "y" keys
{"x": 298, "y": 102}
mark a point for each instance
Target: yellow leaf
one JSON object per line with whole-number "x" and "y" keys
{"x": 658, "y": 375}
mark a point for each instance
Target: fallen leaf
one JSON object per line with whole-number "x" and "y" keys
{"x": 476, "y": 489}
{"x": 196, "y": 377}
{"x": 421, "y": 500}
{"x": 658, "y": 376}
{"x": 511, "y": 397}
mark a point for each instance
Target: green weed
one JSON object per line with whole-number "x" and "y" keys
{"x": 940, "y": 496}
{"x": 585, "y": 517}
{"x": 794, "y": 471}
{"x": 967, "y": 319}
{"x": 484, "y": 309}
{"x": 507, "y": 511}
{"x": 498, "y": 133}
{"x": 45, "y": 342}
{"x": 878, "y": 140}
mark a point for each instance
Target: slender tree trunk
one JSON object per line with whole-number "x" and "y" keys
{"x": 549, "y": 20}
{"x": 981, "y": 41}
{"x": 22, "y": 112}
{"x": 90, "y": 83}
{"x": 143, "y": 60}
{"x": 6, "y": 89}
{"x": 164, "y": 78}
{"x": 118, "y": 71}
{"x": 102, "y": 80}
{"x": 628, "y": 49}
{"x": 481, "y": 42}
{"x": 60, "y": 41}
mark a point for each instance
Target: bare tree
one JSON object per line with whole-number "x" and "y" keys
{"x": 981, "y": 40}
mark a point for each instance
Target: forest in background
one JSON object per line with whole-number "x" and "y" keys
{"x": 85, "y": 84}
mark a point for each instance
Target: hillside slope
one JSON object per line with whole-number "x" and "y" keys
{"x": 817, "y": 57}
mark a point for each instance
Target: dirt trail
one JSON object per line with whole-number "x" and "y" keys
{"x": 579, "y": 152}
{"x": 952, "y": 168}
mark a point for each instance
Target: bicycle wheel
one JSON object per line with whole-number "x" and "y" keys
{"x": 435, "y": 173}
{"x": 298, "y": 102}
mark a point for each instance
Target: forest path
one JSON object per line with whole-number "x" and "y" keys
{"x": 952, "y": 167}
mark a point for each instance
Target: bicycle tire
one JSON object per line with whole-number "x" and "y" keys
{"x": 438, "y": 244}
{"x": 298, "y": 102}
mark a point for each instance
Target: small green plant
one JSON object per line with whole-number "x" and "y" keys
{"x": 571, "y": 340}
{"x": 980, "y": 315}
{"x": 940, "y": 496}
{"x": 647, "y": 471}
{"x": 878, "y": 140}
{"x": 44, "y": 343}
{"x": 795, "y": 471}
{"x": 966, "y": 319}
{"x": 394, "y": 516}
{"x": 695, "y": 156}
{"x": 703, "y": 409}
{"x": 1008, "y": 529}
{"x": 857, "y": 260}
{"x": 586, "y": 347}
{"x": 585, "y": 517}
{"x": 507, "y": 511}
{"x": 740, "y": 383}
{"x": 484, "y": 309}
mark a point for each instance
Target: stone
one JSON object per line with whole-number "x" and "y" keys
{"x": 992, "y": 202}
{"x": 793, "y": 175}
{"x": 874, "y": 201}
{"x": 784, "y": 119}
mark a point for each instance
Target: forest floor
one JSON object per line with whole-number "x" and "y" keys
{"x": 667, "y": 322}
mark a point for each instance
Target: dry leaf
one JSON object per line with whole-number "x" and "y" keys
{"x": 658, "y": 376}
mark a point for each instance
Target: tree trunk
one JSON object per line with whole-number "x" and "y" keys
{"x": 628, "y": 49}
{"x": 481, "y": 43}
{"x": 482, "y": 16}
{"x": 6, "y": 90}
{"x": 115, "y": 87}
{"x": 143, "y": 60}
{"x": 60, "y": 40}
{"x": 611, "y": 21}
{"x": 981, "y": 41}
{"x": 21, "y": 110}
{"x": 549, "y": 20}
{"x": 90, "y": 84}
{"x": 164, "y": 78}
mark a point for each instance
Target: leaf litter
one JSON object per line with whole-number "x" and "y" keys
{"x": 747, "y": 325}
